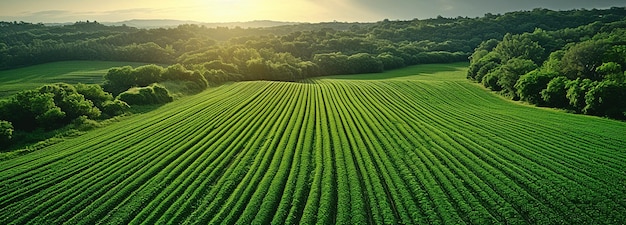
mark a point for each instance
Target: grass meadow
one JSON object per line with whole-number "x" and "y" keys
{"x": 72, "y": 72}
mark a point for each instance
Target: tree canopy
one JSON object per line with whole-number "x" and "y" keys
{"x": 579, "y": 69}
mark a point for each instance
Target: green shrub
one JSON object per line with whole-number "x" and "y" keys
{"x": 153, "y": 94}
{"x": 115, "y": 107}
{"x": 6, "y": 133}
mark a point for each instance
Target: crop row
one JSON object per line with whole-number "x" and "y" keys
{"x": 328, "y": 151}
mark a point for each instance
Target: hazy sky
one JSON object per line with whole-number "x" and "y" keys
{"x": 279, "y": 10}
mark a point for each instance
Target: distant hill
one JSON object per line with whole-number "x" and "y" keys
{"x": 147, "y": 24}
{"x": 250, "y": 24}
{"x": 151, "y": 23}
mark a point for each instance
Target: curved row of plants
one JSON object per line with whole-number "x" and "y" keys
{"x": 328, "y": 151}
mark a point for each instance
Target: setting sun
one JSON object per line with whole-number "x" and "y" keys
{"x": 206, "y": 11}
{"x": 246, "y": 10}
{"x": 277, "y": 10}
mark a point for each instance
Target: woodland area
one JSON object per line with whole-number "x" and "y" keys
{"x": 578, "y": 69}
{"x": 286, "y": 52}
{"x": 568, "y": 59}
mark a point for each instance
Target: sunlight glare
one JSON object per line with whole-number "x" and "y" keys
{"x": 247, "y": 10}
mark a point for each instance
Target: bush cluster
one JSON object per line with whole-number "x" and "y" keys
{"x": 53, "y": 106}
{"x": 562, "y": 69}
{"x": 153, "y": 94}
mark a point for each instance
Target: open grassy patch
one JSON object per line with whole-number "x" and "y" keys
{"x": 72, "y": 72}
{"x": 437, "y": 72}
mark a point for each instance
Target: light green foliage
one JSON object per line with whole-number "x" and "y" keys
{"x": 611, "y": 71}
{"x": 576, "y": 91}
{"x": 477, "y": 55}
{"x": 119, "y": 78}
{"x": 520, "y": 46}
{"x": 616, "y": 52}
{"x": 419, "y": 145}
{"x": 153, "y": 94}
{"x": 553, "y": 64}
{"x": 94, "y": 93}
{"x": 177, "y": 72}
{"x": 483, "y": 49}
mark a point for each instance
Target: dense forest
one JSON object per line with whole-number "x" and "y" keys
{"x": 578, "y": 69}
{"x": 570, "y": 59}
{"x": 391, "y": 43}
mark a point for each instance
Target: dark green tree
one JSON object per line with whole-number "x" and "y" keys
{"x": 72, "y": 103}
{"x": 6, "y": 134}
{"x": 29, "y": 110}
{"x": 530, "y": 85}
{"x": 220, "y": 65}
{"x": 333, "y": 63}
{"x": 582, "y": 60}
{"x": 153, "y": 94}
{"x": 390, "y": 61}
{"x": 555, "y": 94}
{"x": 119, "y": 79}
{"x": 511, "y": 71}
{"x": 146, "y": 75}
{"x": 257, "y": 69}
{"x": 606, "y": 99}
{"x": 483, "y": 66}
{"x": 554, "y": 62}
{"x": 114, "y": 108}
{"x": 365, "y": 63}
{"x": 490, "y": 80}
{"x": 94, "y": 93}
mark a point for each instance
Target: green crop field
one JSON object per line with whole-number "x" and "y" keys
{"x": 420, "y": 145}
{"x": 73, "y": 72}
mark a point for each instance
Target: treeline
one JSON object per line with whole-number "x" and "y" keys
{"x": 120, "y": 79}
{"x": 390, "y": 43}
{"x": 580, "y": 69}
{"x": 365, "y": 48}
{"x": 308, "y": 54}
{"x": 54, "y": 106}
